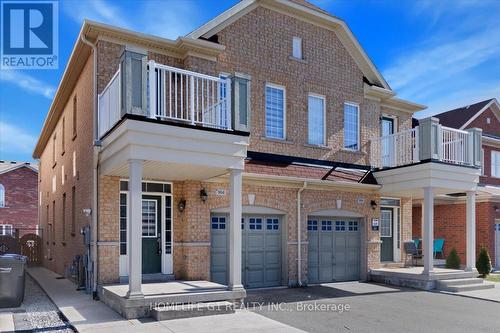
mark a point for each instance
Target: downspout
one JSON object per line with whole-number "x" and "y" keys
{"x": 299, "y": 238}
{"x": 95, "y": 173}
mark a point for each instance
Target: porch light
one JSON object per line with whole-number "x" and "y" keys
{"x": 182, "y": 205}
{"x": 203, "y": 195}
{"x": 373, "y": 203}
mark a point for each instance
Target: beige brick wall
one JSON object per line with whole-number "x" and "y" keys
{"x": 58, "y": 252}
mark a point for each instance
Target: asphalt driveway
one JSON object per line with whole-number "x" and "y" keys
{"x": 366, "y": 307}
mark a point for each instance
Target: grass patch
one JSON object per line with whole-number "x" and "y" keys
{"x": 493, "y": 278}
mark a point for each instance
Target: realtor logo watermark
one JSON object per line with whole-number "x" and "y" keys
{"x": 29, "y": 35}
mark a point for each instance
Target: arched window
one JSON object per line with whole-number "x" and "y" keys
{"x": 2, "y": 196}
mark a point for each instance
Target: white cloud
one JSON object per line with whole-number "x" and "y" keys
{"x": 97, "y": 10}
{"x": 15, "y": 140}
{"x": 27, "y": 83}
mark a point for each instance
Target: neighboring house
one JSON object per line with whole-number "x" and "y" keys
{"x": 203, "y": 153}
{"x": 450, "y": 209}
{"x": 18, "y": 197}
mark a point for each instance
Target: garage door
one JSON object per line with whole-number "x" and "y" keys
{"x": 334, "y": 249}
{"x": 261, "y": 250}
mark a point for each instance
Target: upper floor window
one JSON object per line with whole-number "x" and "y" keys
{"x": 54, "y": 151}
{"x": 6, "y": 230}
{"x": 297, "y": 47}
{"x": 2, "y": 196}
{"x": 275, "y": 112}
{"x": 63, "y": 135}
{"x": 351, "y": 126}
{"x": 316, "y": 120}
{"x": 74, "y": 117}
{"x": 495, "y": 164}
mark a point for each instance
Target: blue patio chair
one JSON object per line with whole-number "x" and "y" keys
{"x": 417, "y": 242}
{"x": 438, "y": 247}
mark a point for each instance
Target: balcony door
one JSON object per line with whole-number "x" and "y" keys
{"x": 388, "y": 125}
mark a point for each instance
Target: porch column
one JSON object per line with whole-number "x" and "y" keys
{"x": 471, "y": 231}
{"x": 134, "y": 226}
{"x": 428, "y": 232}
{"x": 235, "y": 230}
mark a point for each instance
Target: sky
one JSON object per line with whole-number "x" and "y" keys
{"x": 440, "y": 53}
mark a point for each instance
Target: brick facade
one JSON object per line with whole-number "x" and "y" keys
{"x": 21, "y": 199}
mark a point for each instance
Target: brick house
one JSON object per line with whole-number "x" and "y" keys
{"x": 254, "y": 152}
{"x": 450, "y": 210}
{"x": 18, "y": 197}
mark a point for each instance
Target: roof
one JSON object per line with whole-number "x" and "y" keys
{"x": 8, "y": 166}
{"x": 306, "y": 11}
{"x": 460, "y": 117}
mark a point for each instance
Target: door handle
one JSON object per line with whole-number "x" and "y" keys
{"x": 158, "y": 240}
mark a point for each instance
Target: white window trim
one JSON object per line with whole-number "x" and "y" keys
{"x": 2, "y": 229}
{"x": 359, "y": 127}
{"x": 283, "y": 88}
{"x": 323, "y": 97}
{"x": 2, "y": 196}
{"x": 492, "y": 168}
{"x": 394, "y": 122}
{"x": 300, "y": 50}
{"x": 482, "y": 163}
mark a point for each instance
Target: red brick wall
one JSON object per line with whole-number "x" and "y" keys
{"x": 21, "y": 198}
{"x": 449, "y": 223}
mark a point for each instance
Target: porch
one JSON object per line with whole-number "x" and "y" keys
{"x": 160, "y": 297}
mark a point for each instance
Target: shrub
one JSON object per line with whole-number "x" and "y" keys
{"x": 483, "y": 263}
{"x": 453, "y": 260}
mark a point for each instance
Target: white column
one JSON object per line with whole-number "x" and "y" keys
{"x": 235, "y": 231}
{"x": 428, "y": 232}
{"x": 134, "y": 226}
{"x": 471, "y": 231}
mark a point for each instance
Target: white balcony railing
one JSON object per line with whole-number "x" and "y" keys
{"x": 396, "y": 149}
{"x": 441, "y": 143}
{"x": 189, "y": 97}
{"x": 109, "y": 104}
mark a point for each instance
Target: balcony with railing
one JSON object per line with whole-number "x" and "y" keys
{"x": 428, "y": 142}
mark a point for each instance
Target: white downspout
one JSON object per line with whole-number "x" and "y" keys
{"x": 95, "y": 173}
{"x": 299, "y": 238}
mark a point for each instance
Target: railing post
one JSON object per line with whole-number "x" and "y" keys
{"x": 228, "y": 107}
{"x": 475, "y": 147}
{"x": 191, "y": 98}
{"x": 430, "y": 139}
{"x": 152, "y": 89}
{"x": 416, "y": 154}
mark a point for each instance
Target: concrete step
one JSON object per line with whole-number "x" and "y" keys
{"x": 179, "y": 311}
{"x": 457, "y": 282}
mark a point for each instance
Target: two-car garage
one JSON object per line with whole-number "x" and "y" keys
{"x": 334, "y": 249}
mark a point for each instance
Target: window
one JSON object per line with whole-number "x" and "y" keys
{"x": 54, "y": 151}
{"x": 255, "y": 223}
{"x": 351, "y": 126}
{"x": 149, "y": 218}
{"x": 53, "y": 221}
{"x": 63, "y": 135}
{"x": 297, "y": 47}
{"x": 339, "y": 225}
{"x": 73, "y": 210}
{"x": 74, "y": 164}
{"x": 275, "y": 112}
{"x": 63, "y": 220}
{"x": 123, "y": 223}
{"x": 312, "y": 225}
{"x": 74, "y": 117}
{"x": 495, "y": 164}
{"x": 272, "y": 224}
{"x": 2, "y": 196}
{"x": 353, "y": 226}
{"x": 219, "y": 222}
{"x": 6, "y": 230}
{"x": 316, "y": 120}
{"x": 326, "y": 225}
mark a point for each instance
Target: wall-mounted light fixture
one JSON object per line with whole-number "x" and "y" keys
{"x": 373, "y": 203}
{"x": 182, "y": 205}
{"x": 203, "y": 195}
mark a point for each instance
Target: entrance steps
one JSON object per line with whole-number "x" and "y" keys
{"x": 466, "y": 284}
{"x": 178, "y": 311}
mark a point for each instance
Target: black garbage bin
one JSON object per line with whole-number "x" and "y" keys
{"x": 12, "y": 275}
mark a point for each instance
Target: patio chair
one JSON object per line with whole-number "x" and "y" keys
{"x": 417, "y": 242}
{"x": 412, "y": 253}
{"x": 438, "y": 247}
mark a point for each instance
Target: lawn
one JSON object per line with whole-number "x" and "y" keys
{"x": 493, "y": 277}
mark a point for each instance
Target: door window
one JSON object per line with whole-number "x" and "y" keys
{"x": 149, "y": 218}
{"x": 386, "y": 223}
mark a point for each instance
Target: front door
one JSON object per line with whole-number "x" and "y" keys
{"x": 386, "y": 234}
{"x": 387, "y": 142}
{"x": 151, "y": 234}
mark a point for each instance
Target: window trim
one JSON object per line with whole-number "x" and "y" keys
{"x": 2, "y": 196}
{"x": 282, "y": 88}
{"x": 359, "y": 127}
{"x": 63, "y": 130}
{"x": 323, "y": 97}
{"x": 493, "y": 174}
{"x": 75, "y": 110}
{"x": 300, "y": 45}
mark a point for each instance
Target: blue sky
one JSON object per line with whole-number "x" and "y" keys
{"x": 443, "y": 54}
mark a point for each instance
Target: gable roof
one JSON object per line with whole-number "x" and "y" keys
{"x": 307, "y": 12}
{"x": 461, "y": 117}
{"x": 8, "y": 166}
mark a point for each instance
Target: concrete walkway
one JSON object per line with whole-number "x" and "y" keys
{"x": 492, "y": 295}
{"x": 87, "y": 315}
